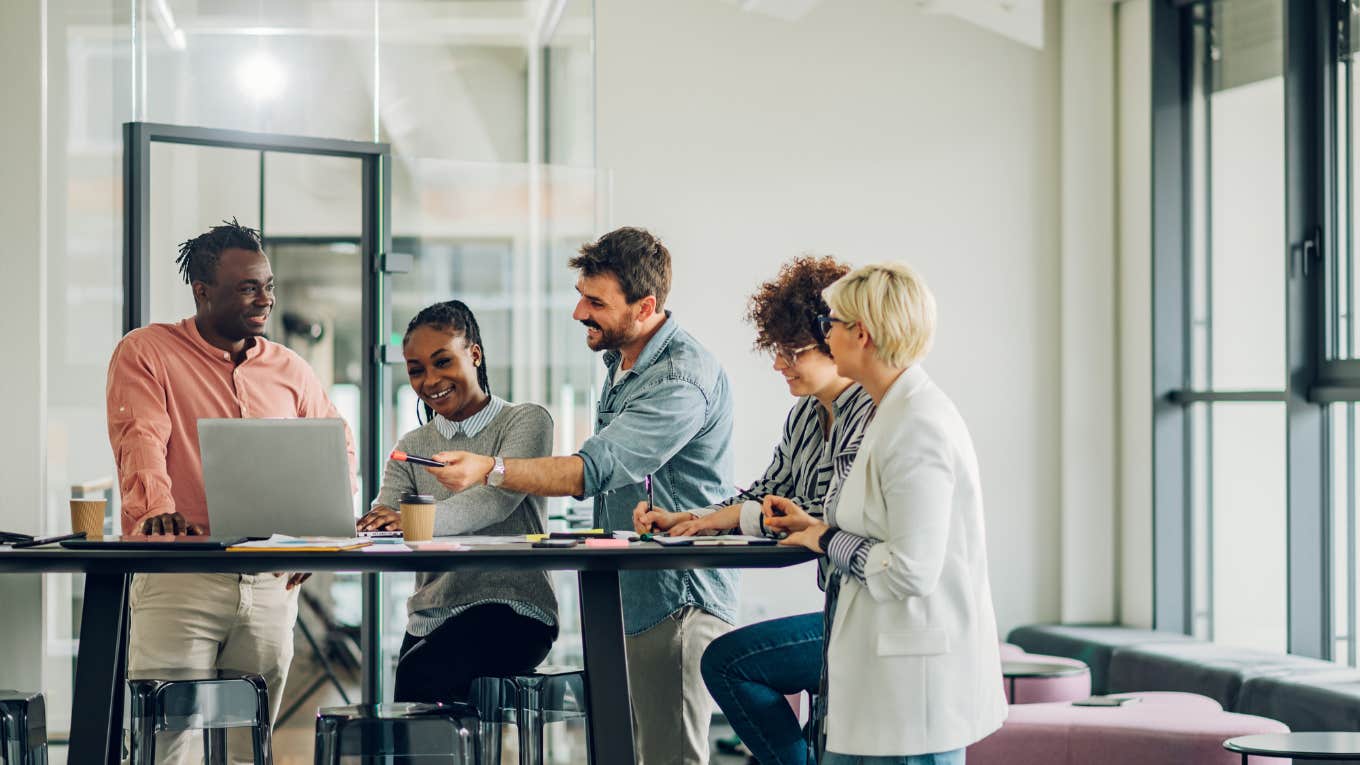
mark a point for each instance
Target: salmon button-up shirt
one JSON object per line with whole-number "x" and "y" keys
{"x": 162, "y": 379}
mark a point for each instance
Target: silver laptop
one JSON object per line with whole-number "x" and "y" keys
{"x": 276, "y": 476}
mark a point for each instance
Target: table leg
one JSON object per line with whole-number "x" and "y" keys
{"x": 1011, "y": 680}
{"x": 609, "y": 734}
{"x": 370, "y": 639}
{"x": 97, "y": 699}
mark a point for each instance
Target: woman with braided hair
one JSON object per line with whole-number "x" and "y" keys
{"x": 466, "y": 624}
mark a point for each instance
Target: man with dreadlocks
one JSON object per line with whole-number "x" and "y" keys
{"x": 162, "y": 379}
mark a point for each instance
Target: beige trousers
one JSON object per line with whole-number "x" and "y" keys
{"x": 671, "y": 708}
{"x": 212, "y": 621}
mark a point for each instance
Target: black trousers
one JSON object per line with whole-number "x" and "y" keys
{"x": 487, "y": 640}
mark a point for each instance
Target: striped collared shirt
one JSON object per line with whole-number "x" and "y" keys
{"x": 804, "y": 462}
{"x": 472, "y": 425}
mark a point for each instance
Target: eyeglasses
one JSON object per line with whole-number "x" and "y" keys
{"x": 790, "y": 355}
{"x": 824, "y": 323}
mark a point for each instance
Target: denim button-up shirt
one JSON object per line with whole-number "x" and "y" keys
{"x": 669, "y": 416}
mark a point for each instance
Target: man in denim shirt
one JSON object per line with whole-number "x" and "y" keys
{"x": 665, "y": 411}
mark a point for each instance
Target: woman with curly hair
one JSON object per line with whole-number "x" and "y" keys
{"x": 750, "y": 670}
{"x": 829, "y": 410}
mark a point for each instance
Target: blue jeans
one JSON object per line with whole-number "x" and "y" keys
{"x": 749, "y": 671}
{"x": 939, "y": 758}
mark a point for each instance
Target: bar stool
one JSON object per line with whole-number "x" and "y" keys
{"x": 548, "y": 694}
{"x": 437, "y": 733}
{"x": 23, "y": 728}
{"x": 212, "y": 700}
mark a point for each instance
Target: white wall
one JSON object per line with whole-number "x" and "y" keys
{"x": 1135, "y": 313}
{"x": 871, "y": 132}
{"x": 1089, "y": 386}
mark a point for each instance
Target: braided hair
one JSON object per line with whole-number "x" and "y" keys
{"x": 198, "y": 257}
{"x": 450, "y": 316}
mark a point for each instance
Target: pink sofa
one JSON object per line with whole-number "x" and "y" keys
{"x": 1160, "y": 729}
{"x": 1038, "y": 690}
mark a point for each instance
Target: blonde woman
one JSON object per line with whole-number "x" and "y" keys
{"x": 912, "y": 671}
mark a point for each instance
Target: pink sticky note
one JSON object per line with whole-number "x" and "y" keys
{"x": 606, "y": 543}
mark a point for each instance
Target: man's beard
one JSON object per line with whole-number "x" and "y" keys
{"x": 611, "y": 339}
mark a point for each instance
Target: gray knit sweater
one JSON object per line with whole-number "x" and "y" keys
{"x": 519, "y": 431}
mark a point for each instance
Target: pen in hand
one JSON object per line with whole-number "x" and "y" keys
{"x": 647, "y": 483}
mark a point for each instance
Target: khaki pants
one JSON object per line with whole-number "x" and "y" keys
{"x": 671, "y": 710}
{"x": 212, "y": 621}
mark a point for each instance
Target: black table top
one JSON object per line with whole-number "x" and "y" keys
{"x": 637, "y": 556}
{"x": 1310, "y": 745}
{"x": 1038, "y": 669}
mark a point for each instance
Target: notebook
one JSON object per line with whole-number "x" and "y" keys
{"x": 285, "y": 543}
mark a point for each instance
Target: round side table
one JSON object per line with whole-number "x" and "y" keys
{"x": 1014, "y": 670}
{"x": 1305, "y": 745}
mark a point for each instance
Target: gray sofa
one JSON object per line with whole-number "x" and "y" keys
{"x": 1303, "y": 693}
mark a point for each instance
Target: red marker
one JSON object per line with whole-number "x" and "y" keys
{"x": 401, "y": 456}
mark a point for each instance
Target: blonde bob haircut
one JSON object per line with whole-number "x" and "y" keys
{"x": 894, "y": 305}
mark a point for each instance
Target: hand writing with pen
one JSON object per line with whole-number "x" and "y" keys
{"x": 803, "y": 530}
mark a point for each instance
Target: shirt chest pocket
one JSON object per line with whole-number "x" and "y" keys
{"x": 609, "y": 408}
{"x": 257, "y": 400}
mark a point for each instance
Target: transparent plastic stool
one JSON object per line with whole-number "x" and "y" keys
{"x": 23, "y": 728}
{"x": 412, "y": 734}
{"x": 213, "y": 701}
{"x": 549, "y": 694}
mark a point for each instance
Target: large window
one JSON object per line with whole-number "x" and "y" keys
{"x": 1254, "y": 447}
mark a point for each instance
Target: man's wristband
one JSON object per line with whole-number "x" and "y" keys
{"x": 825, "y": 540}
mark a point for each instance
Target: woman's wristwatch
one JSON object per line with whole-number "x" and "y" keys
{"x": 825, "y": 539}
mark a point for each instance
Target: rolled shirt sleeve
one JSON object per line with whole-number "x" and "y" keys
{"x": 850, "y": 552}
{"x": 650, "y": 430}
{"x": 139, "y": 430}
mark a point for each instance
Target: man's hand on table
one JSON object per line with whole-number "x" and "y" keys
{"x": 171, "y": 523}
{"x": 380, "y": 518}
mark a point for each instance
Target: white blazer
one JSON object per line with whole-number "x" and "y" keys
{"x": 912, "y": 661}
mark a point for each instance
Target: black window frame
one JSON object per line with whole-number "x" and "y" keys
{"x": 375, "y": 244}
{"x": 1313, "y": 380}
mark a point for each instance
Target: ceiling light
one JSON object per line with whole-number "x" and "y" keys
{"x": 260, "y": 76}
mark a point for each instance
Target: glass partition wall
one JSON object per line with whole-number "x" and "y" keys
{"x": 489, "y": 111}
